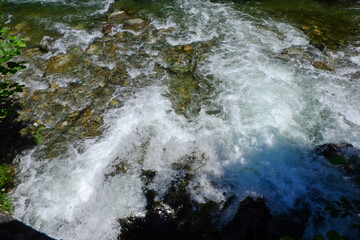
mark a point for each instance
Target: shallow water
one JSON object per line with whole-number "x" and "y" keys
{"x": 257, "y": 121}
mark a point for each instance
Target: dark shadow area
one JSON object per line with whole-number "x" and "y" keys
{"x": 12, "y": 229}
{"x": 11, "y": 141}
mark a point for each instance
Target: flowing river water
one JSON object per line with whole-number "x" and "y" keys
{"x": 250, "y": 111}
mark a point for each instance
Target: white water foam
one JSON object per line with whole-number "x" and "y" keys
{"x": 273, "y": 112}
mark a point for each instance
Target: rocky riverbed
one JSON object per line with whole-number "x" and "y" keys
{"x": 193, "y": 154}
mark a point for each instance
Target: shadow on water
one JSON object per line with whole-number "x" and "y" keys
{"x": 281, "y": 190}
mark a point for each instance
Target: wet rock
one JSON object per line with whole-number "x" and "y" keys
{"x": 59, "y": 63}
{"x": 185, "y": 219}
{"x": 134, "y": 24}
{"x": 344, "y": 156}
{"x": 318, "y": 45}
{"x": 295, "y": 52}
{"x": 118, "y": 16}
{"x": 251, "y": 221}
{"x": 46, "y": 44}
{"x": 186, "y": 89}
{"x": 95, "y": 48}
{"x": 13, "y": 229}
{"x": 32, "y": 52}
{"x": 292, "y": 223}
{"x": 333, "y": 152}
{"x": 322, "y": 66}
{"x": 107, "y": 29}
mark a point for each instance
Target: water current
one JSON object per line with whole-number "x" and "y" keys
{"x": 253, "y": 134}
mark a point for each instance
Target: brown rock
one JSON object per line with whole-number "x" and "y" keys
{"x": 107, "y": 29}
{"x": 59, "y": 63}
{"x": 322, "y": 66}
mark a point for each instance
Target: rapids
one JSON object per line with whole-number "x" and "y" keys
{"x": 259, "y": 118}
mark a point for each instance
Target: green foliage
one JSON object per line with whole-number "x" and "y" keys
{"x": 6, "y": 92}
{"x": 6, "y": 181}
{"x": 10, "y": 47}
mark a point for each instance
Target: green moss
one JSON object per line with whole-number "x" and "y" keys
{"x": 6, "y": 181}
{"x": 37, "y": 136}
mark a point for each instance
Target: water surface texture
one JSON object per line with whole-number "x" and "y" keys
{"x": 251, "y": 118}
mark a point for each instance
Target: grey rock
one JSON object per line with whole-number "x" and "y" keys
{"x": 134, "y": 24}
{"x": 46, "y": 44}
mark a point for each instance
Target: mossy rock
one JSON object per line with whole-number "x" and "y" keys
{"x": 336, "y": 160}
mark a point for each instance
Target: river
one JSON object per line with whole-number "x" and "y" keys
{"x": 250, "y": 112}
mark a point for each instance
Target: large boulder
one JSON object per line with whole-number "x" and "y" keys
{"x": 344, "y": 156}
{"x": 118, "y": 17}
{"x": 12, "y": 229}
{"x": 251, "y": 221}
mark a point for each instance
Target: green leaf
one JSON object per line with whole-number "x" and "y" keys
{"x": 22, "y": 45}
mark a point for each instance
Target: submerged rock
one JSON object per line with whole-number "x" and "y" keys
{"x": 59, "y": 63}
{"x": 134, "y": 24}
{"x": 295, "y": 52}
